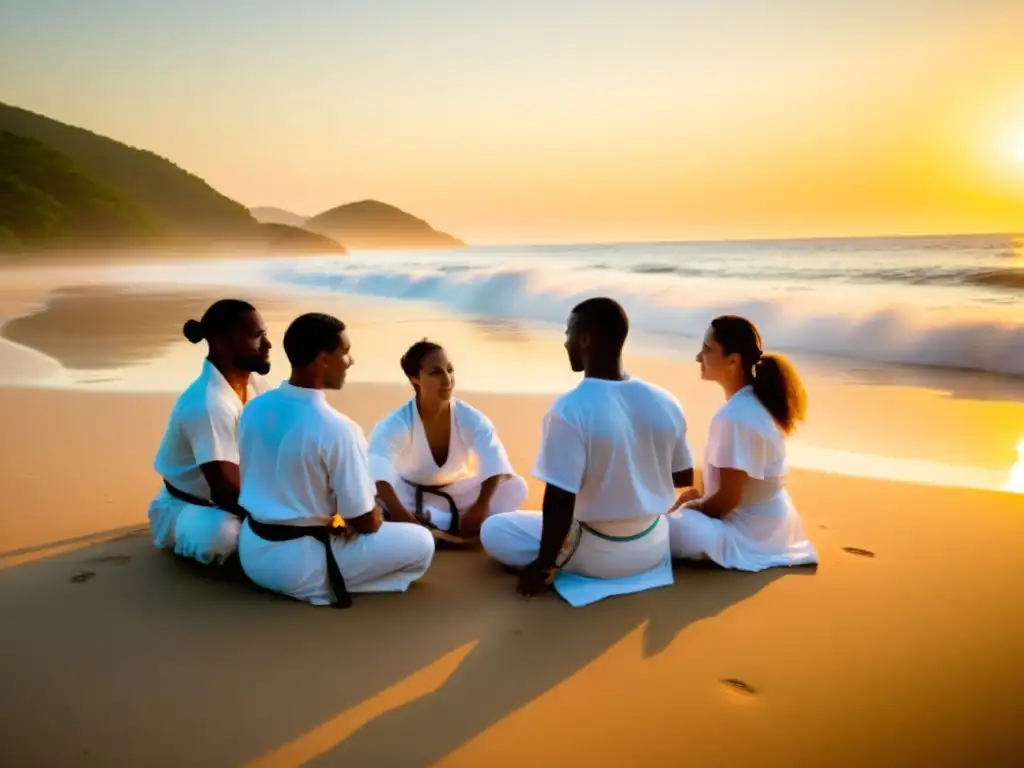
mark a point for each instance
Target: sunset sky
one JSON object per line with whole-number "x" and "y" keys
{"x": 554, "y": 121}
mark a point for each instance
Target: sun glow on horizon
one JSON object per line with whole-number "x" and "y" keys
{"x": 1015, "y": 483}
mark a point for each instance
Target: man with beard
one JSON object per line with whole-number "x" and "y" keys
{"x": 196, "y": 513}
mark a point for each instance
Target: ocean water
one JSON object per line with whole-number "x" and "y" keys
{"x": 946, "y": 302}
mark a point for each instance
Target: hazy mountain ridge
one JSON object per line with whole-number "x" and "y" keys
{"x": 147, "y": 198}
{"x": 373, "y": 224}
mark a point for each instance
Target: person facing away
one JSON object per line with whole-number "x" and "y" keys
{"x": 612, "y": 451}
{"x": 438, "y": 461}
{"x": 196, "y": 511}
{"x": 745, "y": 518}
{"x": 304, "y": 465}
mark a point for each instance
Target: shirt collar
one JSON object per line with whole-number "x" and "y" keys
{"x": 212, "y": 374}
{"x": 302, "y": 393}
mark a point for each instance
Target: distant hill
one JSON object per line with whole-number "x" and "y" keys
{"x": 179, "y": 204}
{"x": 47, "y": 201}
{"x": 372, "y": 224}
{"x": 287, "y": 239}
{"x": 145, "y": 195}
{"x": 269, "y": 215}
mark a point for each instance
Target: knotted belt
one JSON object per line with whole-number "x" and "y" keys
{"x": 435, "y": 490}
{"x": 451, "y": 535}
{"x": 325, "y": 534}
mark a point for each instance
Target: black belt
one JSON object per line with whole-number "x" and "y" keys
{"x": 436, "y": 490}
{"x": 273, "y": 532}
{"x": 188, "y": 498}
{"x": 325, "y": 534}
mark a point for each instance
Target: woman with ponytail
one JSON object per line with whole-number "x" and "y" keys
{"x": 745, "y": 518}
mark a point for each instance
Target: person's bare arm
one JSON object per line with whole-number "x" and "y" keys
{"x": 487, "y": 489}
{"x": 369, "y": 522}
{"x": 225, "y": 484}
{"x": 396, "y": 509}
{"x": 726, "y": 498}
{"x": 558, "y": 508}
{"x": 471, "y": 518}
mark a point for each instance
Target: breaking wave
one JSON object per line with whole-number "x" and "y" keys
{"x": 661, "y": 302}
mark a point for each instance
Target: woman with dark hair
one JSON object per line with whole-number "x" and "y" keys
{"x": 745, "y": 518}
{"x": 438, "y": 461}
{"x": 196, "y": 512}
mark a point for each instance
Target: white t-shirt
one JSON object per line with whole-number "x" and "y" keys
{"x": 743, "y": 435}
{"x": 615, "y": 444}
{"x": 203, "y": 427}
{"x": 301, "y": 460}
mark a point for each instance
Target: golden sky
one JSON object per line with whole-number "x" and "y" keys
{"x": 559, "y": 120}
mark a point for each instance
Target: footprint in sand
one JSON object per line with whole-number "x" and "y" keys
{"x": 81, "y": 576}
{"x": 859, "y": 552}
{"x": 110, "y": 559}
{"x": 738, "y": 686}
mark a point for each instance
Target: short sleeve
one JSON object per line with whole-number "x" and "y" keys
{"x": 493, "y": 459}
{"x": 213, "y": 433}
{"x": 562, "y": 459}
{"x": 349, "y": 471}
{"x": 735, "y": 445}
{"x": 388, "y": 440}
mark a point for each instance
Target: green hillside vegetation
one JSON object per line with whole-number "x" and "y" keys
{"x": 288, "y": 239}
{"x": 46, "y": 200}
{"x": 77, "y": 187}
{"x": 372, "y": 224}
{"x": 182, "y": 206}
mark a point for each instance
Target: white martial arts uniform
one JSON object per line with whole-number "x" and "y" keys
{"x": 615, "y": 444}
{"x": 203, "y": 427}
{"x": 302, "y": 463}
{"x": 400, "y": 456}
{"x": 765, "y": 530}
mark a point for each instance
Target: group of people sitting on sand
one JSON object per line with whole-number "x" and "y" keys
{"x": 317, "y": 512}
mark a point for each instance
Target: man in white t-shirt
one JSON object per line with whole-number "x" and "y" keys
{"x": 313, "y": 529}
{"x": 611, "y": 453}
{"x": 196, "y": 511}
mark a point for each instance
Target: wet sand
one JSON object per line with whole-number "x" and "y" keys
{"x": 900, "y": 648}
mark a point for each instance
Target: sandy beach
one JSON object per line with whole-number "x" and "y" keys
{"x": 900, "y": 648}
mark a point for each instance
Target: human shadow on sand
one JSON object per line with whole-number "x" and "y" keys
{"x": 153, "y": 627}
{"x": 541, "y": 643}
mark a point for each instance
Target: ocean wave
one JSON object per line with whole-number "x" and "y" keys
{"x": 658, "y": 304}
{"x": 1010, "y": 279}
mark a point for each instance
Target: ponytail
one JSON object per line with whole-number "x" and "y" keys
{"x": 779, "y": 388}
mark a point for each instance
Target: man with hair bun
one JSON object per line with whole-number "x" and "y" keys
{"x": 196, "y": 512}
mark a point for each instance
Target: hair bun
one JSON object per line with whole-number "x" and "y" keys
{"x": 193, "y": 331}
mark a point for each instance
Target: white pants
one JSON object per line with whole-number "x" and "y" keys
{"x": 386, "y": 561}
{"x": 514, "y": 539}
{"x": 750, "y": 538}
{"x": 508, "y": 497}
{"x": 206, "y": 534}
